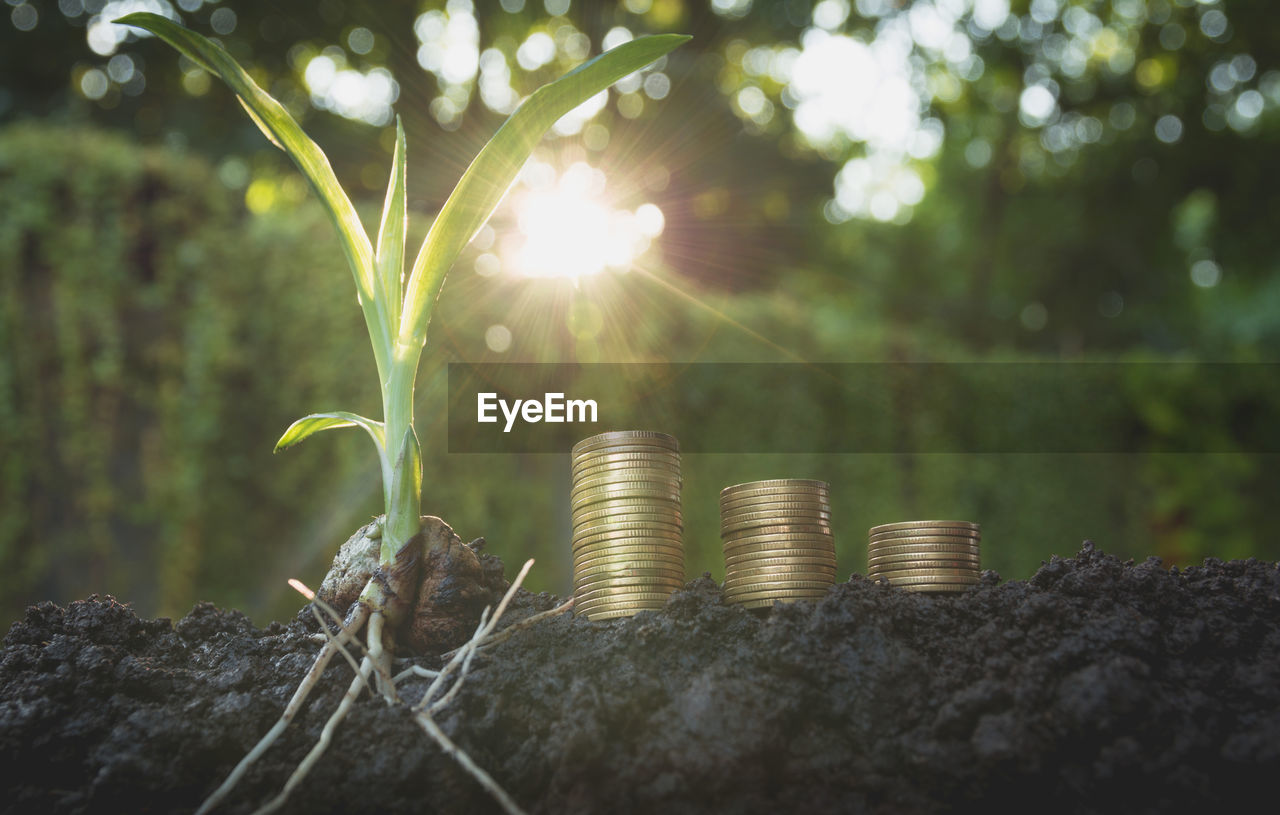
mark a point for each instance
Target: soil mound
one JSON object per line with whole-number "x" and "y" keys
{"x": 1096, "y": 686}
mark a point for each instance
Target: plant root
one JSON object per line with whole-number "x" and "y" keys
{"x": 291, "y": 710}
{"x": 326, "y": 736}
{"x": 528, "y": 622}
{"x": 461, "y": 662}
{"x": 381, "y": 658}
{"x": 377, "y": 660}
{"x": 428, "y": 725}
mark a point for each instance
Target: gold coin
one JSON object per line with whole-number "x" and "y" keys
{"x": 771, "y": 483}
{"x": 583, "y": 520}
{"x": 590, "y": 460}
{"x": 614, "y": 438}
{"x": 626, "y": 526}
{"x": 592, "y": 513}
{"x": 777, "y": 585}
{"x": 596, "y": 477}
{"x": 788, "y": 505}
{"x": 630, "y": 598}
{"x": 924, "y": 571}
{"x": 926, "y": 548}
{"x": 775, "y": 526}
{"x": 789, "y": 548}
{"x": 886, "y": 566}
{"x": 938, "y": 588}
{"x": 629, "y": 548}
{"x": 752, "y": 572}
{"x": 737, "y": 519}
{"x": 753, "y": 536}
{"x": 924, "y": 557}
{"x": 619, "y": 613}
{"x": 787, "y": 595}
{"x": 673, "y": 531}
{"x": 665, "y": 577}
{"x": 925, "y": 531}
{"x": 772, "y": 492}
{"x": 612, "y": 527}
{"x": 673, "y": 557}
{"x": 638, "y": 458}
{"x": 635, "y": 568}
{"x": 657, "y": 488}
{"x": 776, "y": 494}
{"x": 605, "y": 613}
{"x": 767, "y": 549}
{"x": 602, "y": 591}
{"x": 773, "y": 530}
{"x": 604, "y": 545}
{"x": 658, "y": 536}
{"x": 909, "y": 525}
{"x": 824, "y": 560}
{"x": 926, "y": 540}
{"x": 768, "y": 602}
{"x": 653, "y": 582}
{"x": 643, "y": 475}
{"x": 655, "y": 496}
{"x": 662, "y": 471}
{"x": 931, "y": 581}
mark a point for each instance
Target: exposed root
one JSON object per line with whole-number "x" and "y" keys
{"x": 461, "y": 662}
{"x": 381, "y": 658}
{"x": 377, "y": 659}
{"x": 291, "y": 710}
{"x": 506, "y": 633}
{"x": 485, "y": 780}
{"x": 414, "y": 670}
{"x": 326, "y": 736}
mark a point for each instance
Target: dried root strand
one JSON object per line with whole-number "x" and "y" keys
{"x": 461, "y": 662}
{"x": 322, "y": 744}
{"x": 291, "y": 710}
{"x": 428, "y": 725}
{"x": 508, "y": 632}
{"x": 377, "y": 660}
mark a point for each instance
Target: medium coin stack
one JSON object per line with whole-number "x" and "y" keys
{"x": 628, "y": 549}
{"x": 930, "y": 556}
{"x": 777, "y": 541}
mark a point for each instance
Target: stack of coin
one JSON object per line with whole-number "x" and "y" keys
{"x": 777, "y": 541}
{"x": 931, "y": 556}
{"x": 628, "y": 549}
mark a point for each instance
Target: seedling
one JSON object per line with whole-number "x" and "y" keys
{"x": 397, "y": 313}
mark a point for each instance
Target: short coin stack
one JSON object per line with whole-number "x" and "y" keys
{"x": 777, "y": 541}
{"x": 929, "y": 556}
{"x": 628, "y": 549}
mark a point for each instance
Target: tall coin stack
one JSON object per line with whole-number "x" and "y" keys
{"x": 777, "y": 541}
{"x": 929, "y": 556}
{"x": 628, "y": 549}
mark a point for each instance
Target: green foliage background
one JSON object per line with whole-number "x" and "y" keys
{"x": 158, "y": 334}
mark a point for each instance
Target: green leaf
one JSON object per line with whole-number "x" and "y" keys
{"x": 391, "y": 232}
{"x": 310, "y": 425}
{"x": 405, "y": 500}
{"x": 491, "y": 173}
{"x": 284, "y": 132}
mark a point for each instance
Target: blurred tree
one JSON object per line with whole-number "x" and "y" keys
{"x": 832, "y": 180}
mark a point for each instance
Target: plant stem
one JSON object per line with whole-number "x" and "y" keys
{"x": 402, "y": 507}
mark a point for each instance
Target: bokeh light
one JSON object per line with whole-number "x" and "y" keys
{"x": 567, "y": 227}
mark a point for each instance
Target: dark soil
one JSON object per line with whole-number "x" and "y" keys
{"x": 1096, "y": 686}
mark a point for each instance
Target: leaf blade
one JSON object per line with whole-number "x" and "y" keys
{"x": 281, "y": 128}
{"x": 492, "y": 172}
{"x": 391, "y": 232}
{"x": 311, "y": 424}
